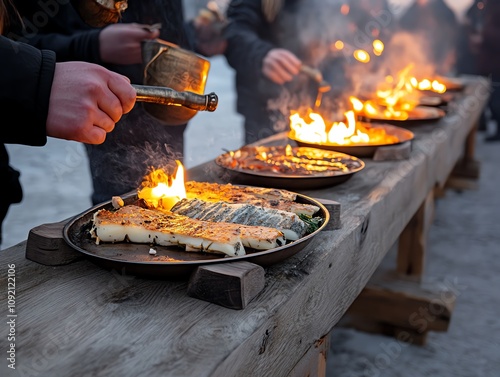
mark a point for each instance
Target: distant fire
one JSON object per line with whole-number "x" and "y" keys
{"x": 162, "y": 190}
{"x": 350, "y": 132}
{"x": 396, "y": 97}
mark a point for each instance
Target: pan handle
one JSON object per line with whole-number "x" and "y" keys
{"x": 167, "y": 96}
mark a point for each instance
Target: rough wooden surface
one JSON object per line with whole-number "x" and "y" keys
{"x": 393, "y": 152}
{"x": 81, "y": 320}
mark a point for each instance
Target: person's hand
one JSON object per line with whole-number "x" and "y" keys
{"x": 86, "y": 101}
{"x": 280, "y": 65}
{"x": 121, "y": 43}
{"x": 209, "y": 27}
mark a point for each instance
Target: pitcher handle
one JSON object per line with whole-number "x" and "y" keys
{"x": 157, "y": 55}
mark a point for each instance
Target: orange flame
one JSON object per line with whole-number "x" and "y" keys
{"x": 349, "y": 132}
{"x": 427, "y": 84}
{"x": 162, "y": 190}
{"x": 394, "y": 99}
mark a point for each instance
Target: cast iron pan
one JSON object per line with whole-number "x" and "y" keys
{"x": 367, "y": 150}
{"x": 290, "y": 181}
{"x": 169, "y": 262}
{"x": 419, "y": 115}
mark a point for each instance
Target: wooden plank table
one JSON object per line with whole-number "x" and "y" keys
{"x": 82, "y": 320}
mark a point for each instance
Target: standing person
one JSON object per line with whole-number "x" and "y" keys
{"x": 489, "y": 60}
{"x": 267, "y": 43}
{"x": 438, "y": 26}
{"x": 73, "y": 101}
{"x": 469, "y": 42}
{"x": 140, "y": 141}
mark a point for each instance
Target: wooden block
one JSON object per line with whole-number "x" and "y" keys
{"x": 46, "y": 245}
{"x": 333, "y": 208}
{"x": 367, "y": 325}
{"x": 232, "y": 285}
{"x": 467, "y": 169}
{"x": 389, "y": 306}
{"x": 393, "y": 152}
{"x": 461, "y": 184}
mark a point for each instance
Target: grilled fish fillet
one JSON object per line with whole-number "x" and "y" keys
{"x": 142, "y": 225}
{"x": 230, "y": 190}
{"x": 269, "y": 198}
{"x": 246, "y": 214}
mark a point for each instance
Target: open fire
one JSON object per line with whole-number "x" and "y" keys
{"x": 395, "y": 99}
{"x": 315, "y": 130}
{"x": 162, "y": 190}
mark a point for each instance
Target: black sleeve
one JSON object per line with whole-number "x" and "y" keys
{"x": 57, "y": 27}
{"x": 26, "y": 76}
{"x": 246, "y": 48}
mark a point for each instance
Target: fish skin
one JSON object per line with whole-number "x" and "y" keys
{"x": 246, "y": 214}
{"x": 268, "y": 198}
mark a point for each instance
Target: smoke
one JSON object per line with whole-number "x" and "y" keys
{"x": 404, "y": 50}
{"x": 312, "y": 30}
{"x": 138, "y": 144}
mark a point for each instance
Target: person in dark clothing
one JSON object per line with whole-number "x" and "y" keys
{"x": 437, "y": 25}
{"x": 267, "y": 43}
{"x": 140, "y": 141}
{"x": 74, "y": 101}
{"x": 489, "y": 60}
{"x": 469, "y": 41}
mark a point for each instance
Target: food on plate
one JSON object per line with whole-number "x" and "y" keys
{"x": 230, "y": 191}
{"x": 268, "y": 198}
{"x": 139, "y": 225}
{"x": 241, "y": 213}
{"x": 291, "y": 161}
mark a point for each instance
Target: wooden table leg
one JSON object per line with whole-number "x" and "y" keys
{"x": 394, "y": 302}
{"x": 467, "y": 169}
{"x": 413, "y": 239}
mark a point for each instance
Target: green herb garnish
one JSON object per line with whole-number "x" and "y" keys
{"x": 313, "y": 223}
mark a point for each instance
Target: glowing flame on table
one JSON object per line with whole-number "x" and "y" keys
{"x": 350, "y": 132}
{"x": 427, "y": 84}
{"x": 395, "y": 98}
{"x": 162, "y": 190}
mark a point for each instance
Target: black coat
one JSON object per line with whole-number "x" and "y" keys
{"x": 26, "y": 80}
{"x": 26, "y": 76}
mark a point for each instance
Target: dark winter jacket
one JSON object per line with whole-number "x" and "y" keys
{"x": 26, "y": 82}
{"x": 250, "y": 37}
{"x": 489, "y": 51}
{"x": 26, "y": 76}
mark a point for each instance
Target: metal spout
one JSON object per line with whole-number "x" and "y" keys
{"x": 168, "y": 96}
